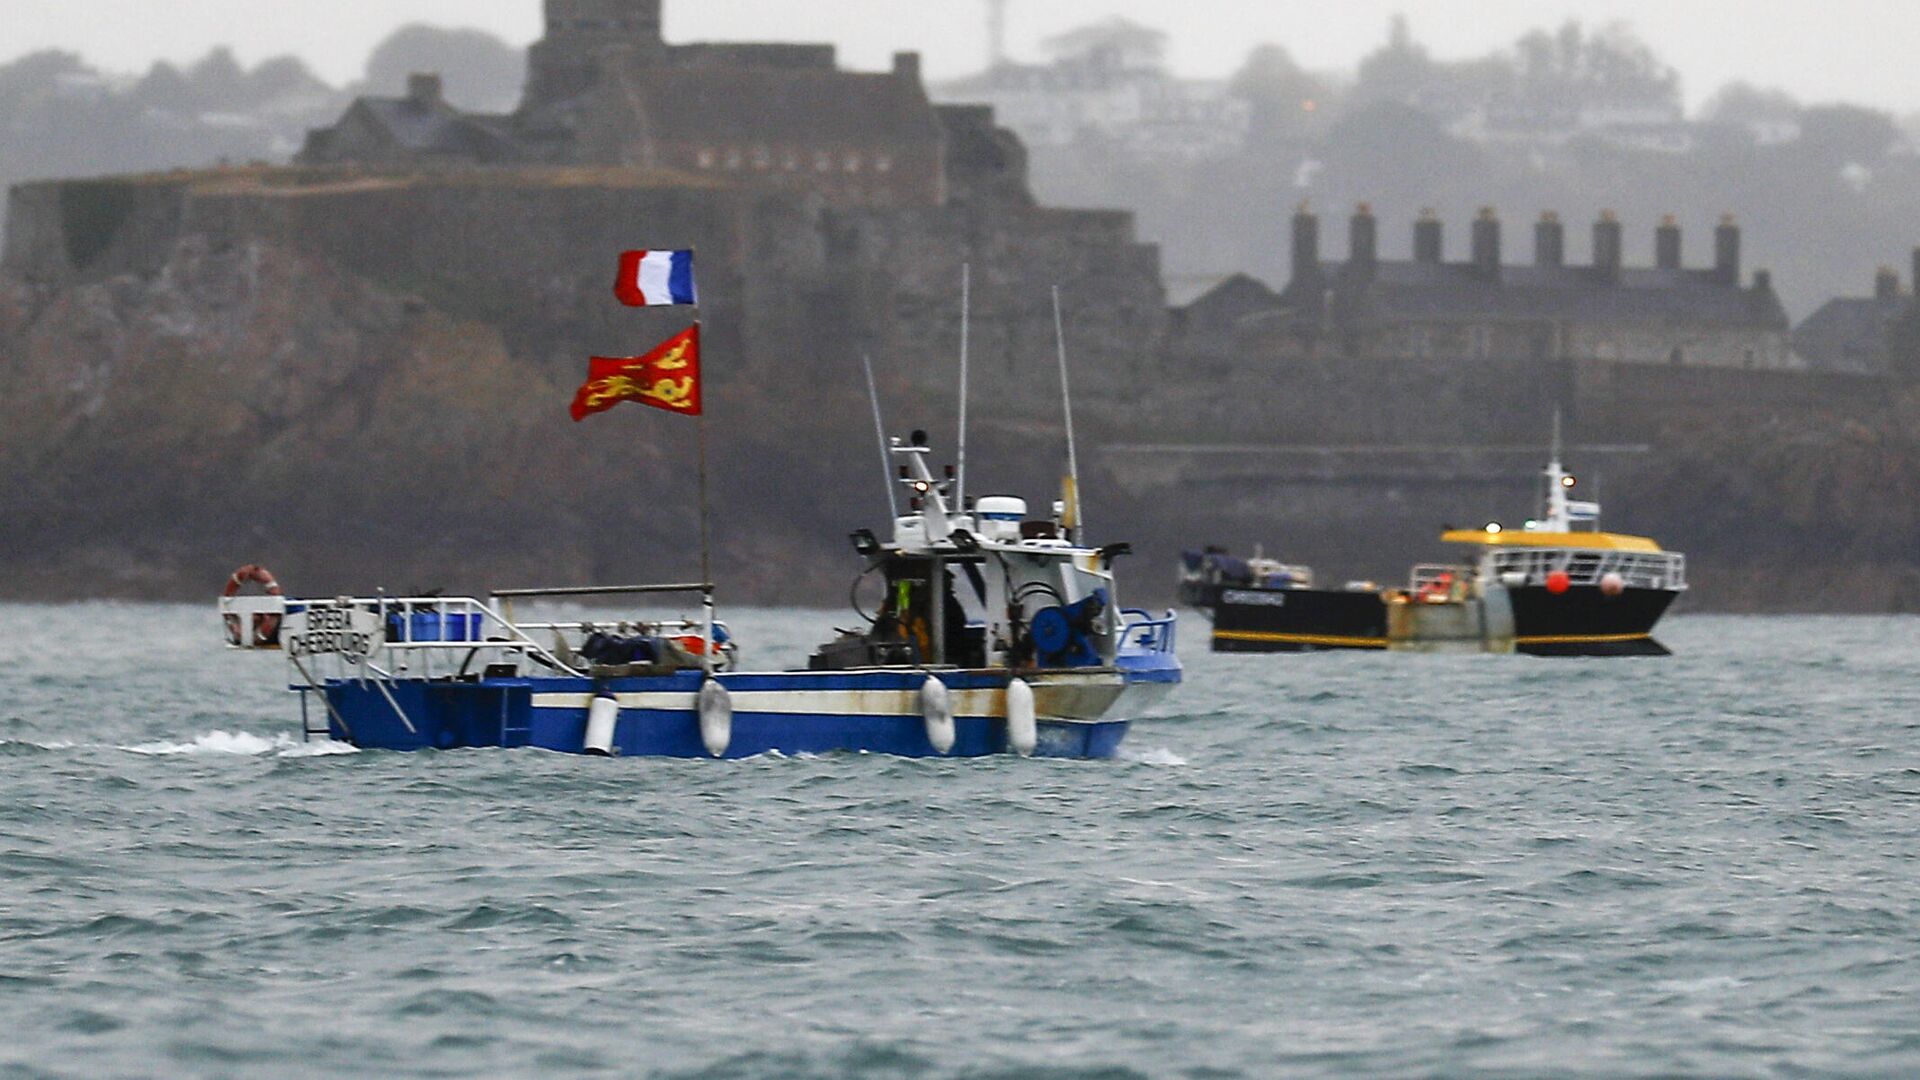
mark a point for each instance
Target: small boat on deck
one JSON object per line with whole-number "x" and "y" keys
{"x": 995, "y": 633}
{"x": 1557, "y": 587}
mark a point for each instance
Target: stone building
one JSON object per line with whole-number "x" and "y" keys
{"x": 605, "y": 88}
{"x": 1486, "y": 307}
{"x": 1852, "y": 334}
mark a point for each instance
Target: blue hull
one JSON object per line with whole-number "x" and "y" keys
{"x": 794, "y": 713}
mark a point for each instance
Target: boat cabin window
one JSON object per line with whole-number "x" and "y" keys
{"x": 937, "y": 608}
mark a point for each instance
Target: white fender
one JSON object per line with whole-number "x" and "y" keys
{"x": 1023, "y": 728}
{"x": 602, "y": 715}
{"x": 716, "y": 717}
{"x": 936, "y": 708}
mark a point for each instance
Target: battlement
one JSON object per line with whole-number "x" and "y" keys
{"x": 603, "y": 20}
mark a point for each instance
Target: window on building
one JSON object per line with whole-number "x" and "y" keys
{"x": 707, "y": 158}
{"x": 822, "y": 162}
{"x": 882, "y": 163}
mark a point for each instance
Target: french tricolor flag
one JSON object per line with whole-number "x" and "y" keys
{"x": 656, "y": 279}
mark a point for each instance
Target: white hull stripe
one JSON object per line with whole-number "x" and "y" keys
{"x": 805, "y": 702}
{"x": 990, "y": 703}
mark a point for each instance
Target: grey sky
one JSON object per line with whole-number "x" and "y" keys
{"x": 1855, "y": 50}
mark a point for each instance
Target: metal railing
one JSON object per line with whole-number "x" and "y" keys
{"x": 1637, "y": 569}
{"x": 1140, "y": 632}
{"x": 451, "y": 636}
{"x": 1437, "y": 583}
{"x": 420, "y": 636}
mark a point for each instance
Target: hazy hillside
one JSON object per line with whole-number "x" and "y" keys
{"x": 62, "y": 117}
{"x": 1575, "y": 122}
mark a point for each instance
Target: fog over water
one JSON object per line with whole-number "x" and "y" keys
{"x": 1853, "y": 50}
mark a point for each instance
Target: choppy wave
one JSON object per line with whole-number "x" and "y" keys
{"x": 1158, "y": 755}
{"x": 1316, "y": 866}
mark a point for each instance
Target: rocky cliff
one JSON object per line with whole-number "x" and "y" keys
{"x": 362, "y": 381}
{"x": 369, "y": 386}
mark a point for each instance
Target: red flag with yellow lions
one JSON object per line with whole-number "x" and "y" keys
{"x": 667, "y": 378}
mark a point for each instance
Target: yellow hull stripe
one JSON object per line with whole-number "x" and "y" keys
{"x": 1580, "y": 639}
{"x": 1265, "y": 637}
{"x": 1300, "y": 639}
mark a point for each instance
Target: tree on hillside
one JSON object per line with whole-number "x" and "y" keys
{"x": 1282, "y": 94}
{"x": 1402, "y": 71}
{"x": 1608, "y": 68}
{"x": 1744, "y": 103}
{"x": 1842, "y": 134}
{"x": 1399, "y": 70}
{"x": 481, "y": 72}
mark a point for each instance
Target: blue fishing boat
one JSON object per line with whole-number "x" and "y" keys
{"x": 993, "y": 633}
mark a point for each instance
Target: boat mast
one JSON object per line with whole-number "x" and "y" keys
{"x": 1559, "y": 517}
{"x": 1076, "y": 524}
{"x": 966, "y": 321}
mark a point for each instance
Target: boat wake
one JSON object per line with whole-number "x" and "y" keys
{"x": 1159, "y": 755}
{"x": 242, "y": 743}
{"x": 238, "y": 743}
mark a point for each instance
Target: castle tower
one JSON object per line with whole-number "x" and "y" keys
{"x": 591, "y": 21}
{"x": 567, "y": 61}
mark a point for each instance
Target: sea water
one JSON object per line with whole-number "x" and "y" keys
{"x": 1332, "y": 864}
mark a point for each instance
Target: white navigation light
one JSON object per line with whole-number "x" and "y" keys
{"x": 1493, "y": 528}
{"x": 1567, "y": 481}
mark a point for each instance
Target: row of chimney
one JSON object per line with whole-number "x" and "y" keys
{"x": 1549, "y": 244}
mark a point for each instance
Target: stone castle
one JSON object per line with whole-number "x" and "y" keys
{"x": 605, "y": 88}
{"x": 832, "y": 209}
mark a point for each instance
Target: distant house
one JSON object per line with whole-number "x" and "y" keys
{"x": 418, "y": 127}
{"x": 1109, "y": 81}
{"x": 1487, "y": 308}
{"x": 604, "y": 88}
{"x": 1850, "y": 334}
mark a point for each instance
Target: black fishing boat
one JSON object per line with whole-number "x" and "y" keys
{"x": 1559, "y": 586}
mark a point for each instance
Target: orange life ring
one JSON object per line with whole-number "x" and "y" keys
{"x": 266, "y": 625}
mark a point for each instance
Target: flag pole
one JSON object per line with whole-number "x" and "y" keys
{"x": 706, "y": 526}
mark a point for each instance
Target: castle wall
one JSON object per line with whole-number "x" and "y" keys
{"x": 794, "y": 287}
{"x": 61, "y": 231}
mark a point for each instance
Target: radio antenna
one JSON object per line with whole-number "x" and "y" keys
{"x": 880, "y": 436}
